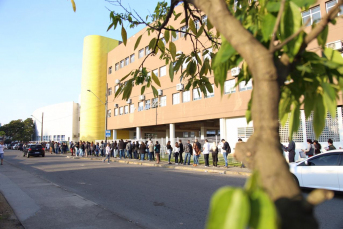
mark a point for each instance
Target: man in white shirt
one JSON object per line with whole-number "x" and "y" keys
{"x": 2, "y": 148}
{"x": 206, "y": 152}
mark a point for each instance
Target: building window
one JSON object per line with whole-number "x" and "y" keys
{"x": 245, "y": 132}
{"x": 331, "y": 4}
{"x": 208, "y": 94}
{"x": 175, "y": 38}
{"x": 204, "y": 19}
{"x": 126, "y": 61}
{"x": 186, "y": 96}
{"x": 207, "y": 55}
{"x": 192, "y": 134}
{"x": 49, "y": 137}
{"x": 58, "y": 138}
{"x": 185, "y": 134}
{"x": 312, "y": 14}
{"x": 117, "y": 66}
{"x": 155, "y": 72}
{"x": 176, "y": 98}
{"x": 196, "y": 94}
{"x": 132, "y": 108}
{"x": 183, "y": 29}
{"x": 63, "y": 137}
{"x": 245, "y": 86}
{"x": 126, "y": 109}
{"x": 229, "y": 86}
{"x": 197, "y": 24}
{"x": 110, "y": 91}
{"x": 147, "y": 50}
{"x": 122, "y": 64}
{"x": 110, "y": 70}
{"x": 147, "y": 104}
{"x": 140, "y": 53}
{"x": 163, "y": 101}
{"x": 109, "y": 113}
{"x": 163, "y": 71}
{"x": 132, "y": 58}
{"x": 154, "y": 103}
{"x": 140, "y": 106}
{"x": 116, "y": 88}
{"x": 116, "y": 112}
{"x": 121, "y": 110}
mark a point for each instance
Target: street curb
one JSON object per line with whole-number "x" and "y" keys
{"x": 167, "y": 166}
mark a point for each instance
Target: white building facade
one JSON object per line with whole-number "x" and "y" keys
{"x": 60, "y": 122}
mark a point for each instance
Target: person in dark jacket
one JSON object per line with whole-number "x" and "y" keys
{"x": 121, "y": 147}
{"x": 226, "y": 150}
{"x": 181, "y": 151}
{"x": 82, "y": 149}
{"x": 142, "y": 149}
{"x": 291, "y": 150}
{"x": 157, "y": 151}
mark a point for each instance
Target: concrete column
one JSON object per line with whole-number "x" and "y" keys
{"x": 203, "y": 132}
{"x": 340, "y": 123}
{"x": 138, "y": 133}
{"x": 222, "y": 123}
{"x": 114, "y": 135}
{"x": 172, "y": 134}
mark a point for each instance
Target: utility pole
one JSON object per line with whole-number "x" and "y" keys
{"x": 106, "y": 115}
{"x": 41, "y": 136}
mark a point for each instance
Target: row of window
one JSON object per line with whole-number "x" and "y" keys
{"x": 52, "y": 137}
{"x": 313, "y": 15}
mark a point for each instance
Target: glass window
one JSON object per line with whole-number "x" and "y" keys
{"x": 197, "y": 24}
{"x": 204, "y": 19}
{"x": 176, "y": 98}
{"x": 163, "y": 40}
{"x": 186, "y": 96}
{"x": 154, "y": 103}
{"x": 126, "y": 61}
{"x": 147, "y": 50}
{"x": 183, "y": 29}
{"x": 163, "y": 71}
{"x": 140, "y": 53}
{"x": 185, "y": 134}
{"x": 110, "y": 91}
{"x": 116, "y": 112}
{"x": 63, "y": 137}
{"x": 185, "y": 63}
{"x": 207, "y": 54}
{"x": 175, "y": 38}
{"x": 121, "y": 110}
{"x": 243, "y": 86}
{"x": 311, "y": 16}
{"x": 55, "y": 138}
{"x": 122, "y": 64}
{"x": 109, "y": 113}
{"x": 110, "y": 70}
{"x": 147, "y": 104}
{"x": 117, "y": 66}
{"x": 140, "y": 106}
{"x": 163, "y": 101}
{"x": 208, "y": 94}
{"x": 58, "y": 137}
{"x": 324, "y": 160}
{"x": 196, "y": 94}
{"x": 132, "y": 108}
{"x": 126, "y": 109}
{"x": 132, "y": 58}
{"x": 192, "y": 134}
{"x": 331, "y": 4}
{"x": 155, "y": 72}
{"x": 229, "y": 86}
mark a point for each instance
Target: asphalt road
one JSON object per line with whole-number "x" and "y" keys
{"x": 134, "y": 196}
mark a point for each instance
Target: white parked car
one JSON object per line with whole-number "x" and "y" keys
{"x": 324, "y": 170}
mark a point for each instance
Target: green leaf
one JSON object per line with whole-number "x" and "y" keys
{"x": 124, "y": 78}
{"x": 319, "y": 115}
{"x": 137, "y": 42}
{"x": 209, "y": 25}
{"x": 173, "y": 33}
{"x": 119, "y": 90}
{"x": 172, "y": 49}
{"x": 152, "y": 43}
{"x": 322, "y": 37}
{"x": 171, "y": 71}
{"x": 155, "y": 79}
{"x": 142, "y": 90}
{"x": 154, "y": 91}
{"x": 248, "y": 116}
{"x": 330, "y": 98}
{"x": 304, "y": 3}
{"x": 127, "y": 90}
{"x": 177, "y": 16}
{"x": 273, "y": 6}
{"x": 209, "y": 87}
{"x": 268, "y": 26}
{"x": 191, "y": 68}
{"x": 205, "y": 67}
{"x": 124, "y": 35}
{"x": 294, "y": 121}
{"x": 192, "y": 26}
{"x": 109, "y": 27}
{"x": 333, "y": 55}
{"x": 308, "y": 104}
{"x": 166, "y": 35}
{"x": 161, "y": 46}
{"x": 225, "y": 52}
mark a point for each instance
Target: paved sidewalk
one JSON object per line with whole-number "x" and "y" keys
{"x": 163, "y": 164}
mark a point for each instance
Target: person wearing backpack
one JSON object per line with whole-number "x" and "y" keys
{"x": 331, "y": 146}
{"x": 317, "y": 147}
{"x": 151, "y": 150}
{"x": 129, "y": 149}
{"x": 309, "y": 151}
{"x": 226, "y": 150}
{"x": 188, "y": 153}
{"x": 157, "y": 151}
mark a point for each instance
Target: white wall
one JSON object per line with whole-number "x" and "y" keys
{"x": 59, "y": 119}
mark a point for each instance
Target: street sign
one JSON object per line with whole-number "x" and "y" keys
{"x": 108, "y": 133}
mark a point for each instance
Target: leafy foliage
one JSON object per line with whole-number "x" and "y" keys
{"x": 19, "y": 130}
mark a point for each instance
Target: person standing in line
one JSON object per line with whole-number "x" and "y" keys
{"x": 176, "y": 152}
{"x": 108, "y": 153}
{"x": 188, "y": 152}
{"x": 2, "y": 152}
{"x": 317, "y": 147}
{"x": 196, "y": 153}
{"x": 331, "y": 146}
{"x": 129, "y": 149}
{"x": 47, "y": 147}
{"x": 134, "y": 149}
{"x": 77, "y": 149}
{"x": 72, "y": 148}
{"x": 56, "y": 147}
{"x": 52, "y": 149}
{"x": 291, "y": 150}
{"x": 169, "y": 151}
{"x": 121, "y": 148}
{"x": 206, "y": 152}
{"x": 112, "y": 149}
{"x": 181, "y": 151}
{"x": 226, "y": 150}
{"x": 115, "y": 149}
{"x": 101, "y": 148}
{"x": 142, "y": 149}
{"x": 214, "y": 152}
{"x": 151, "y": 150}
{"x": 82, "y": 147}
{"x": 157, "y": 151}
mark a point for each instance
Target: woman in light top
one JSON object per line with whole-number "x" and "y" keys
{"x": 176, "y": 151}
{"x": 214, "y": 151}
{"x": 108, "y": 153}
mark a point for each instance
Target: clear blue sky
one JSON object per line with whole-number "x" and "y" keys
{"x": 41, "y": 50}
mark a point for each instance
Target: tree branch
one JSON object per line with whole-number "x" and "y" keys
{"x": 278, "y": 19}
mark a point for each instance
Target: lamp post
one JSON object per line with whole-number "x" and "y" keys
{"x": 105, "y": 103}
{"x": 41, "y": 135}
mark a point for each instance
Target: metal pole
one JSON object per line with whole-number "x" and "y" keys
{"x": 41, "y": 136}
{"x": 106, "y": 115}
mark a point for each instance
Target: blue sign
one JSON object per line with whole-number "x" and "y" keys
{"x": 108, "y": 133}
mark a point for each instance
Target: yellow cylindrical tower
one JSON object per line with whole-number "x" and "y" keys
{"x": 94, "y": 78}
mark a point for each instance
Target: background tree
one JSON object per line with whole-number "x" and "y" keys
{"x": 268, "y": 40}
{"x": 19, "y": 130}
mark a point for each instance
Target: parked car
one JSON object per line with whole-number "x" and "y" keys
{"x": 321, "y": 171}
{"x": 34, "y": 150}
